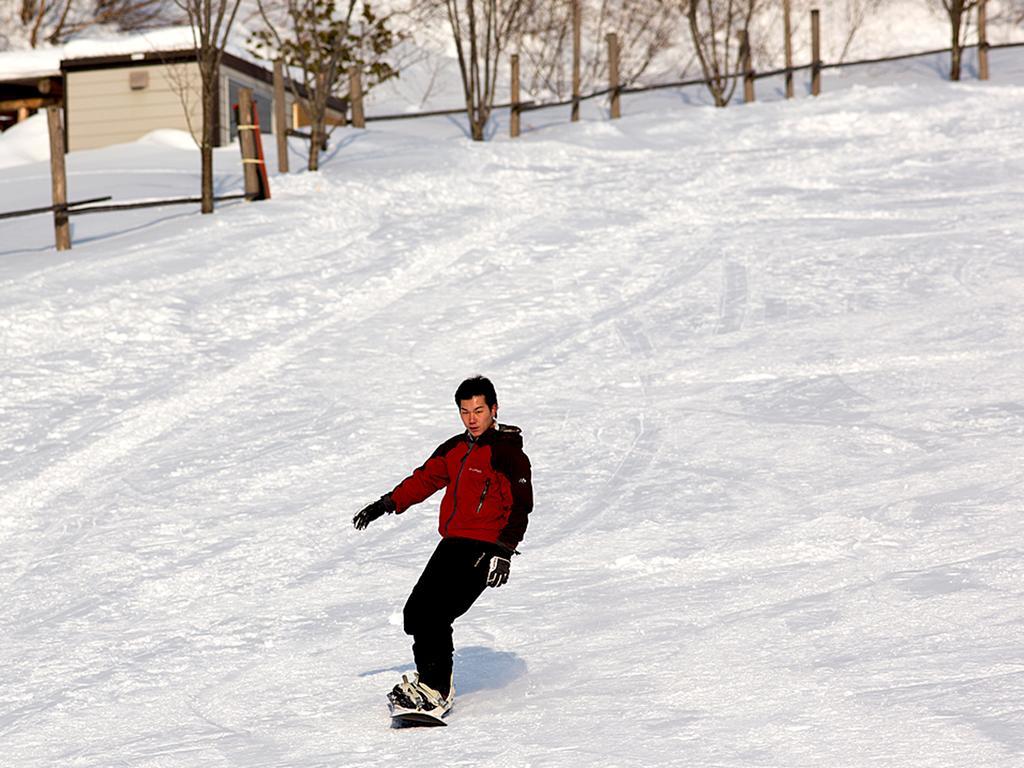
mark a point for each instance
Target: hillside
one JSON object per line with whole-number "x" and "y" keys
{"x": 767, "y": 362}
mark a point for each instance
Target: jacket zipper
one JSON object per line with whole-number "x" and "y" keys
{"x": 455, "y": 490}
{"x": 487, "y": 485}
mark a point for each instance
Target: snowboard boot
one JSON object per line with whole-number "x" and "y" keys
{"x": 416, "y": 695}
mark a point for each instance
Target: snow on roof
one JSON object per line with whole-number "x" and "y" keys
{"x": 41, "y": 62}
{"x": 17, "y": 65}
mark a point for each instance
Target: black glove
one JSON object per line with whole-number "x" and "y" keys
{"x": 498, "y": 572}
{"x": 371, "y": 512}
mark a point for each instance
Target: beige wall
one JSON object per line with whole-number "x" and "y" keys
{"x": 104, "y": 110}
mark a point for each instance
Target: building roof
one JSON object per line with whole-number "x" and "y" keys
{"x": 18, "y": 66}
{"x": 46, "y": 61}
{"x": 148, "y": 58}
{"x": 259, "y": 72}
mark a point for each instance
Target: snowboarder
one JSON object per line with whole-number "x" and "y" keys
{"x": 488, "y": 497}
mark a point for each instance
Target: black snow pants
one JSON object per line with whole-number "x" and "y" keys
{"x": 454, "y": 577}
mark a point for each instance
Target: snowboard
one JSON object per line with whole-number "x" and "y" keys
{"x": 414, "y": 718}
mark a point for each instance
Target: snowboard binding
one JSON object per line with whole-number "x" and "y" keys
{"x": 413, "y": 703}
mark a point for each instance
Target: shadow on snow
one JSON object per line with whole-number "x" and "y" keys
{"x": 476, "y": 669}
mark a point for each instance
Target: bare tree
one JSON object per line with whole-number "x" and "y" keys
{"x": 645, "y": 28}
{"x": 857, "y": 12}
{"x": 482, "y": 30}
{"x": 714, "y": 28}
{"x": 1013, "y": 12}
{"x": 211, "y": 22}
{"x": 544, "y": 44}
{"x": 185, "y": 82}
{"x": 321, "y": 42}
{"x": 846, "y": 19}
{"x": 55, "y": 21}
{"x": 958, "y": 12}
{"x": 1008, "y": 13}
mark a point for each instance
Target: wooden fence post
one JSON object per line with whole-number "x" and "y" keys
{"x": 247, "y": 143}
{"x": 58, "y": 179}
{"x": 748, "y": 67}
{"x": 355, "y": 93}
{"x": 577, "y": 23}
{"x": 788, "y": 33}
{"x": 280, "y": 126}
{"x": 513, "y": 122}
{"x": 982, "y": 40}
{"x": 815, "y": 53}
{"x": 613, "y": 74}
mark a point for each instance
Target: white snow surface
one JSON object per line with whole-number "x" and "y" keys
{"x": 768, "y": 365}
{"x": 25, "y": 142}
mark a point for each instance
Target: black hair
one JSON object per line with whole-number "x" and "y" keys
{"x": 477, "y": 385}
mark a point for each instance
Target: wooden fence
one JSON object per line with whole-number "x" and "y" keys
{"x": 749, "y": 76}
{"x": 257, "y": 186}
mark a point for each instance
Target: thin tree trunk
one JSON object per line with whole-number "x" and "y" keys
{"x": 318, "y": 118}
{"x": 209, "y": 139}
{"x": 33, "y": 39}
{"x": 211, "y": 23}
{"x": 956, "y": 19}
{"x": 456, "y": 25}
{"x": 488, "y": 28}
{"x": 476, "y": 128}
{"x": 316, "y": 140}
{"x": 788, "y": 35}
{"x": 709, "y": 58}
{"x": 54, "y": 37}
{"x": 28, "y": 12}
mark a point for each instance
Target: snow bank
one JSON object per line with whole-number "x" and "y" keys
{"x": 168, "y": 137}
{"x": 26, "y": 142}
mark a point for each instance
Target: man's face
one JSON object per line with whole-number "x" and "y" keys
{"x": 476, "y": 415}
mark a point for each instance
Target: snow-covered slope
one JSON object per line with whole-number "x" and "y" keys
{"x": 768, "y": 365}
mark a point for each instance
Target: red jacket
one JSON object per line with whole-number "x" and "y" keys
{"x": 489, "y": 493}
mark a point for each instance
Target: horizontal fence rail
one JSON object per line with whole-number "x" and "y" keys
{"x": 63, "y": 207}
{"x": 885, "y": 59}
{"x": 74, "y": 209}
{"x": 156, "y": 203}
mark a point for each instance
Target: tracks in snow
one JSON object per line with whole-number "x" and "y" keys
{"x": 150, "y": 419}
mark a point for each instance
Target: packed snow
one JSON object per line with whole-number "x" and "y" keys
{"x": 768, "y": 365}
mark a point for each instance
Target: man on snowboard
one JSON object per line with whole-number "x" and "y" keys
{"x": 488, "y": 497}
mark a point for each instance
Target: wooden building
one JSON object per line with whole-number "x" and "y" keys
{"x": 113, "y": 99}
{"x": 116, "y": 99}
